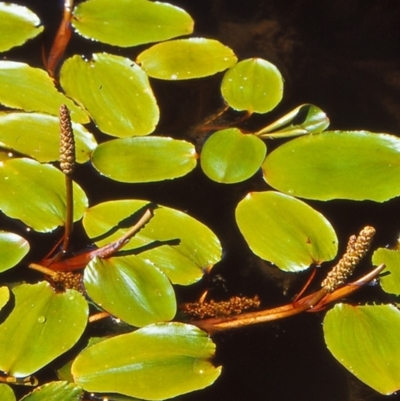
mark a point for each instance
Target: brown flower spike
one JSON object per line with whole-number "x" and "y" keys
{"x": 67, "y": 142}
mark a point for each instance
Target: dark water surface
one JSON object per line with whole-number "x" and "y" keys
{"x": 341, "y": 55}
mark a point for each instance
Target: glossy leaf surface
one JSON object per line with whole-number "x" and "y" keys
{"x": 12, "y": 249}
{"x": 285, "y": 230}
{"x": 186, "y": 59}
{"x": 179, "y": 245}
{"x": 131, "y": 289}
{"x": 114, "y": 90}
{"x": 177, "y": 354}
{"x": 18, "y": 24}
{"x": 6, "y": 393}
{"x": 365, "y": 340}
{"x": 254, "y": 85}
{"x": 23, "y": 132}
{"x": 130, "y": 23}
{"x": 52, "y": 324}
{"x": 391, "y": 258}
{"x": 229, "y": 156}
{"x": 4, "y": 297}
{"x": 55, "y": 391}
{"x": 337, "y": 165}
{"x": 35, "y": 194}
{"x": 144, "y": 159}
{"x": 31, "y": 89}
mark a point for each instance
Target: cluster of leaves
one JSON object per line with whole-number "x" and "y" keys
{"x": 115, "y": 93}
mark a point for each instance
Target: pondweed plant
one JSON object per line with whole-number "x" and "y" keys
{"x": 145, "y": 249}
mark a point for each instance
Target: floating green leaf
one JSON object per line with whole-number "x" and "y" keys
{"x": 130, "y": 23}
{"x": 12, "y": 249}
{"x": 6, "y": 393}
{"x": 18, "y": 24}
{"x": 52, "y": 323}
{"x": 285, "y": 230}
{"x": 133, "y": 290}
{"x": 186, "y": 59}
{"x": 144, "y": 159}
{"x": 55, "y": 391}
{"x": 4, "y": 297}
{"x": 254, "y": 85}
{"x": 23, "y": 132}
{"x": 305, "y": 119}
{"x": 156, "y": 362}
{"x": 337, "y": 165}
{"x": 230, "y": 156}
{"x": 390, "y": 283}
{"x": 179, "y": 245}
{"x": 365, "y": 340}
{"x": 35, "y": 194}
{"x": 114, "y": 90}
{"x": 31, "y": 89}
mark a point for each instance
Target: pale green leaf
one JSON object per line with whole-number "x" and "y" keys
{"x": 12, "y": 249}
{"x": 390, "y": 280}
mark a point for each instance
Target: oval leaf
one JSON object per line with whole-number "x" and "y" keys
{"x": 230, "y": 156}
{"x": 365, "y": 340}
{"x": 144, "y": 159}
{"x": 130, "y": 23}
{"x": 285, "y": 230}
{"x": 6, "y": 393}
{"x": 23, "y": 131}
{"x": 186, "y": 59}
{"x": 18, "y": 24}
{"x": 31, "y": 89}
{"x": 60, "y": 390}
{"x": 35, "y": 194}
{"x": 179, "y": 245}
{"x": 390, "y": 283}
{"x": 131, "y": 289}
{"x": 337, "y": 165}
{"x": 52, "y": 323}
{"x": 12, "y": 249}
{"x": 115, "y": 91}
{"x": 4, "y": 297}
{"x": 177, "y": 354}
{"x": 254, "y": 85}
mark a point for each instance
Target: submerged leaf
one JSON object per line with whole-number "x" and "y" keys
{"x": 182, "y": 247}
{"x": 131, "y": 289}
{"x": 31, "y": 89}
{"x": 365, "y": 340}
{"x": 356, "y": 165}
{"x": 12, "y": 249}
{"x": 177, "y": 354}
{"x": 114, "y": 90}
{"x": 35, "y": 194}
{"x": 52, "y": 323}
{"x": 186, "y": 59}
{"x": 391, "y": 258}
{"x": 144, "y": 159}
{"x": 18, "y": 24}
{"x": 22, "y": 132}
{"x": 130, "y": 23}
{"x": 229, "y": 156}
{"x": 285, "y": 230}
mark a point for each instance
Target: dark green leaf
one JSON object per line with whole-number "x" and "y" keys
{"x": 131, "y": 289}
{"x": 31, "y": 89}
{"x": 55, "y": 391}
{"x": 35, "y": 193}
{"x": 337, "y": 165}
{"x": 365, "y": 340}
{"x": 144, "y": 159}
{"x": 285, "y": 230}
{"x": 391, "y": 258}
{"x": 23, "y": 131}
{"x": 254, "y": 85}
{"x": 229, "y": 156}
{"x": 130, "y": 23}
{"x": 42, "y": 326}
{"x": 153, "y": 363}
{"x": 186, "y": 59}
{"x": 12, "y": 249}
{"x": 18, "y": 24}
